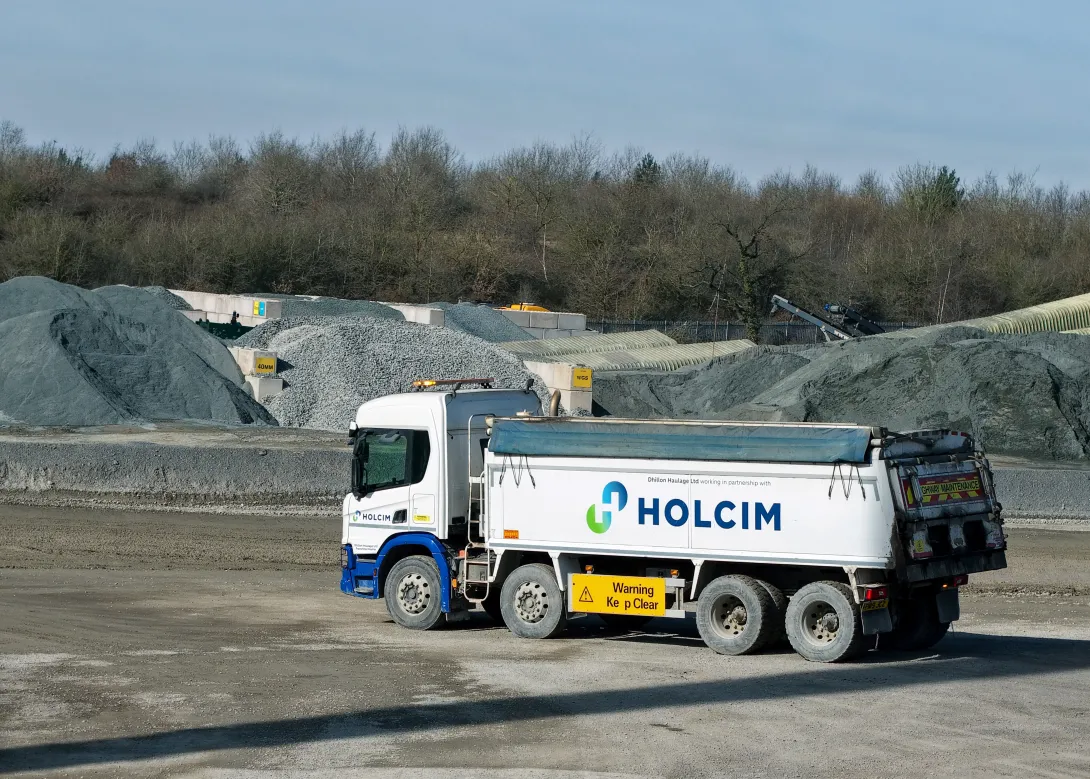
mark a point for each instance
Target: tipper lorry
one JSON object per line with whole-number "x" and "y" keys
{"x": 836, "y": 537}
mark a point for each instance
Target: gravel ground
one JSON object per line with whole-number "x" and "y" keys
{"x": 234, "y": 656}
{"x": 331, "y": 365}
{"x": 481, "y": 321}
{"x": 277, "y": 470}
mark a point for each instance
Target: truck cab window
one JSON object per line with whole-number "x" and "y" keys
{"x": 384, "y": 459}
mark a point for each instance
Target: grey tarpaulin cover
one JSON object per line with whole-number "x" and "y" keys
{"x": 674, "y": 440}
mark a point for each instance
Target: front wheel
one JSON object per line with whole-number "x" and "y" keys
{"x": 823, "y": 623}
{"x": 532, "y": 603}
{"x": 412, "y": 593}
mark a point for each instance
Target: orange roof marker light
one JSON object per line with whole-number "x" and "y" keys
{"x": 421, "y": 384}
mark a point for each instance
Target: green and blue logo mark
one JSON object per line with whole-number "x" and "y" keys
{"x": 614, "y": 498}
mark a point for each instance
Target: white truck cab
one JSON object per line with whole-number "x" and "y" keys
{"x": 823, "y": 534}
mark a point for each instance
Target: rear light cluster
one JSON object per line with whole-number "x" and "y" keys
{"x": 956, "y": 581}
{"x": 875, "y": 593}
{"x": 344, "y": 557}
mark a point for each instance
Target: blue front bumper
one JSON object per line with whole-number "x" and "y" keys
{"x": 358, "y": 577}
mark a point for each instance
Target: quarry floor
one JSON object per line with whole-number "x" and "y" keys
{"x": 190, "y": 645}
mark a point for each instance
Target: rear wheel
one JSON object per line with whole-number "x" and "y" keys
{"x": 823, "y": 623}
{"x": 491, "y": 605}
{"x": 780, "y": 600}
{"x": 736, "y": 615}
{"x": 532, "y": 603}
{"x": 918, "y": 626}
{"x": 412, "y": 593}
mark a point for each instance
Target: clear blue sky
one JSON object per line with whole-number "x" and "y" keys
{"x": 847, "y": 86}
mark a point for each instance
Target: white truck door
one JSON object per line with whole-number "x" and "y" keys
{"x": 392, "y": 462}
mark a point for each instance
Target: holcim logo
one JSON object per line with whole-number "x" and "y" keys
{"x": 614, "y": 498}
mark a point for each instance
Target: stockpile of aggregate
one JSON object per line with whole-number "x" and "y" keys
{"x": 1023, "y": 395}
{"x": 296, "y": 306}
{"x": 330, "y": 365}
{"x": 168, "y": 297}
{"x": 115, "y": 355}
{"x": 481, "y": 321}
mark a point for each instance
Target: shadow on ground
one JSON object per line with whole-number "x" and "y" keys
{"x": 964, "y": 657}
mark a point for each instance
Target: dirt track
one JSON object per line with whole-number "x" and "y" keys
{"x": 234, "y": 655}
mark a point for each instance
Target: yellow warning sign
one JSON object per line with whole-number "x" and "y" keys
{"x": 581, "y": 378}
{"x": 599, "y": 594}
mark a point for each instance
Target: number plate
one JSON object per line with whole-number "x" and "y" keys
{"x": 874, "y": 605}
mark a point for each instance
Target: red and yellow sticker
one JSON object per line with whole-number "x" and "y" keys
{"x": 949, "y": 488}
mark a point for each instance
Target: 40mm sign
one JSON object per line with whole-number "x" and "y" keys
{"x": 600, "y": 594}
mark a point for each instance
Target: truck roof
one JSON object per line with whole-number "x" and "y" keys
{"x": 682, "y": 440}
{"x": 457, "y": 407}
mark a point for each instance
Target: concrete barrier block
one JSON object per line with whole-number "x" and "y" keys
{"x": 193, "y": 316}
{"x": 571, "y": 321}
{"x": 551, "y": 374}
{"x": 201, "y": 301}
{"x": 254, "y": 362}
{"x": 543, "y": 319}
{"x": 576, "y": 400}
{"x": 561, "y": 375}
{"x": 520, "y": 318}
{"x": 535, "y": 332}
{"x": 265, "y": 387}
{"x": 424, "y": 315}
{"x": 551, "y": 334}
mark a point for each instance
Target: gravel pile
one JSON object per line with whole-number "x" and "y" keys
{"x": 337, "y": 363}
{"x": 296, "y": 306}
{"x": 113, "y": 356}
{"x": 481, "y": 321}
{"x": 1024, "y": 395}
{"x": 168, "y": 297}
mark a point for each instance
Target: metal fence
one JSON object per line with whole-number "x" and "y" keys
{"x": 772, "y": 333}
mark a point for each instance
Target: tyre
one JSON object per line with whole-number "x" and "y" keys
{"x": 623, "y": 622}
{"x": 736, "y": 615}
{"x": 780, "y": 600}
{"x": 823, "y": 623}
{"x": 532, "y": 604}
{"x": 491, "y": 605}
{"x": 413, "y": 593}
{"x": 917, "y": 627}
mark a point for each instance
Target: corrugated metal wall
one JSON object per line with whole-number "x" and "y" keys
{"x": 1059, "y": 315}
{"x": 560, "y": 347}
{"x": 658, "y": 358}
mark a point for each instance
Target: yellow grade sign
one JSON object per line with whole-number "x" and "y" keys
{"x": 600, "y": 594}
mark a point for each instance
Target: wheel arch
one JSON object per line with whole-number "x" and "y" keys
{"x": 404, "y": 545}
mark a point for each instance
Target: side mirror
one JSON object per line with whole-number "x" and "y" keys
{"x": 359, "y": 468}
{"x": 359, "y": 487}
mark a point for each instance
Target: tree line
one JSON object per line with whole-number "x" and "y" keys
{"x": 567, "y": 226}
